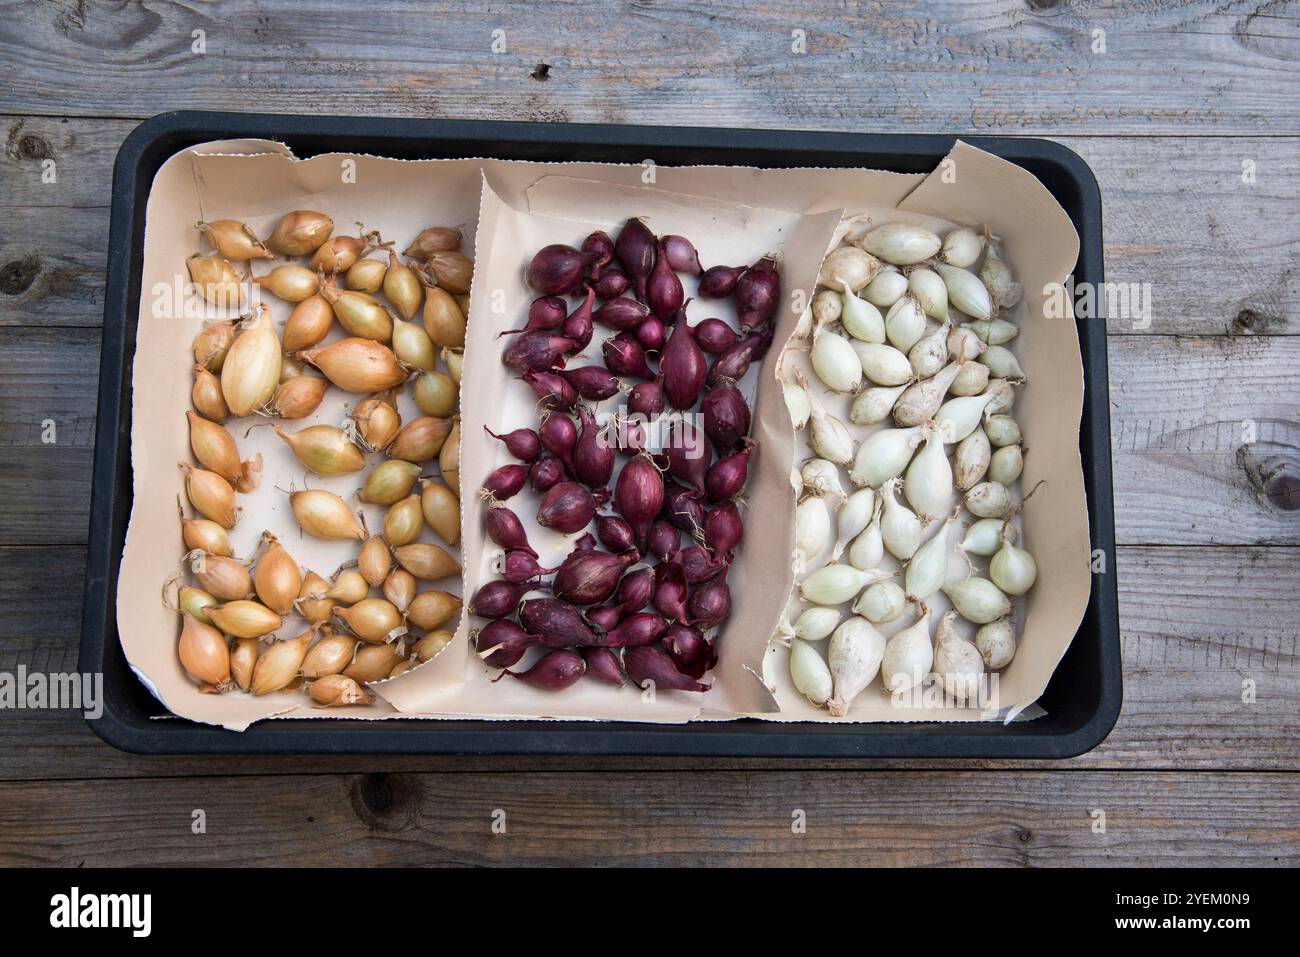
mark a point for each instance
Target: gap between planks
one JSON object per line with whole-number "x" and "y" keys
{"x": 893, "y": 817}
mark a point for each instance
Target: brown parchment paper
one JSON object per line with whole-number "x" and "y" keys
{"x": 257, "y": 181}
{"x": 974, "y": 188}
{"x": 566, "y": 209}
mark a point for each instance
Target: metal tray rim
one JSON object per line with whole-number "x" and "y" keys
{"x": 143, "y": 734}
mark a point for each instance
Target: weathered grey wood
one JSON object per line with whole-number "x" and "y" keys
{"x": 1176, "y": 210}
{"x": 40, "y": 592}
{"x": 1196, "y": 623}
{"x": 1218, "y": 253}
{"x": 52, "y": 265}
{"x": 1000, "y": 66}
{"x": 47, "y": 391}
{"x": 55, "y": 162}
{"x": 678, "y": 818}
{"x": 1211, "y": 661}
{"x": 55, "y": 184}
{"x": 1197, "y": 88}
{"x": 1182, "y": 412}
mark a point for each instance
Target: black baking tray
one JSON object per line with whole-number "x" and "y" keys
{"x": 1082, "y": 701}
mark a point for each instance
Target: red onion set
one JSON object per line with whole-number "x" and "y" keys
{"x": 644, "y": 588}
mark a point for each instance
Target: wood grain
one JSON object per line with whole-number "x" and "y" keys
{"x": 1179, "y": 219}
{"x": 58, "y": 162}
{"x": 48, "y": 383}
{"x": 1211, "y": 661}
{"x": 1176, "y": 214}
{"x": 40, "y": 591}
{"x": 1206, "y": 439}
{"x": 670, "y": 818}
{"x": 52, "y": 266}
{"x": 1197, "y": 624}
{"x": 1179, "y": 103}
{"x": 999, "y": 66}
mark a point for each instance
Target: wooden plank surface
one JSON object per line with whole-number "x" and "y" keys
{"x": 48, "y": 376}
{"x": 1187, "y": 114}
{"x": 671, "y": 818}
{"x": 997, "y": 66}
{"x": 1205, "y": 432}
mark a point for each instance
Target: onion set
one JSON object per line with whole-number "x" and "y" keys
{"x": 912, "y": 330}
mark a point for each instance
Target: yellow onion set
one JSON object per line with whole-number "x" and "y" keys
{"x": 262, "y": 623}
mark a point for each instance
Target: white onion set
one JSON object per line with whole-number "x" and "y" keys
{"x": 868, "y": 548}
{"x": 817, "y": 623}
{"x": 796, "y": 402}
{"x": 829, "y": 437}
{"x": 928, "y": 484}
{"x": 928, "y": 288}
{"x": 905, "y": 323}
{"x": 835, "y": 584}
{"x": 901, "y": 244}
{"x": 884, "y": 455}
{"x": 835, "y": 362}
{"x": 874, "y": 405}
{"x": 812, "y": 531}
{"x": 957, "y": 661}
{"x": 900, "y": 527}
{"x": 984, "y": 537}
{"x": 856, "y": 513}
{"x": 861, "y": 319}
{"x": 821, "y": 477}
{"x": 881, "y": 602}
{"x": 343, "y": 634}
{"x": 810, "y": 673}
{"x": 883, "y": 364}
{"x": 928, "y": 569}
{"x": 854, "y": 654}
{"x": 910, "y": 331}
{"x": 908, "y": 655}
{"x": 930, "y": 353}
{"x": 883, "y": 291}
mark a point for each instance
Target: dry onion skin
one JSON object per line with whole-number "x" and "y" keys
{"x": 441, "y": 509}
{"x": 324, "y": 515}
{"x": 277, "y": 578}
{"x": 350, "y": 586}
{"x": 376, "y": 422}
{"x": 251, "y": 370}
{"x": 222, "y": 577}
{"x": 329, "y": 656}
{"x": 374, "y": 662}
{"x": 206, "y": 395}
{"x": 300, "y": 233}
{"x": 203, "y": 653}
{"x": 206, "y": 535}
{"x": 431, "y": 644}
{"x": 917, "y": 328}
{"x": 373, "y": 564}
{"x": 403, "y": 324}
{"x": 289, "y": 282}
{"x": 216, "y": 281}
{"x": 333, "y": 691}
{"x": 298, "y": 397}
{"x": 400, "y": 588}
{"x": 308, "y": 324}
{"x": 313, "y": 603}
{"x": 357, "y": 365}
